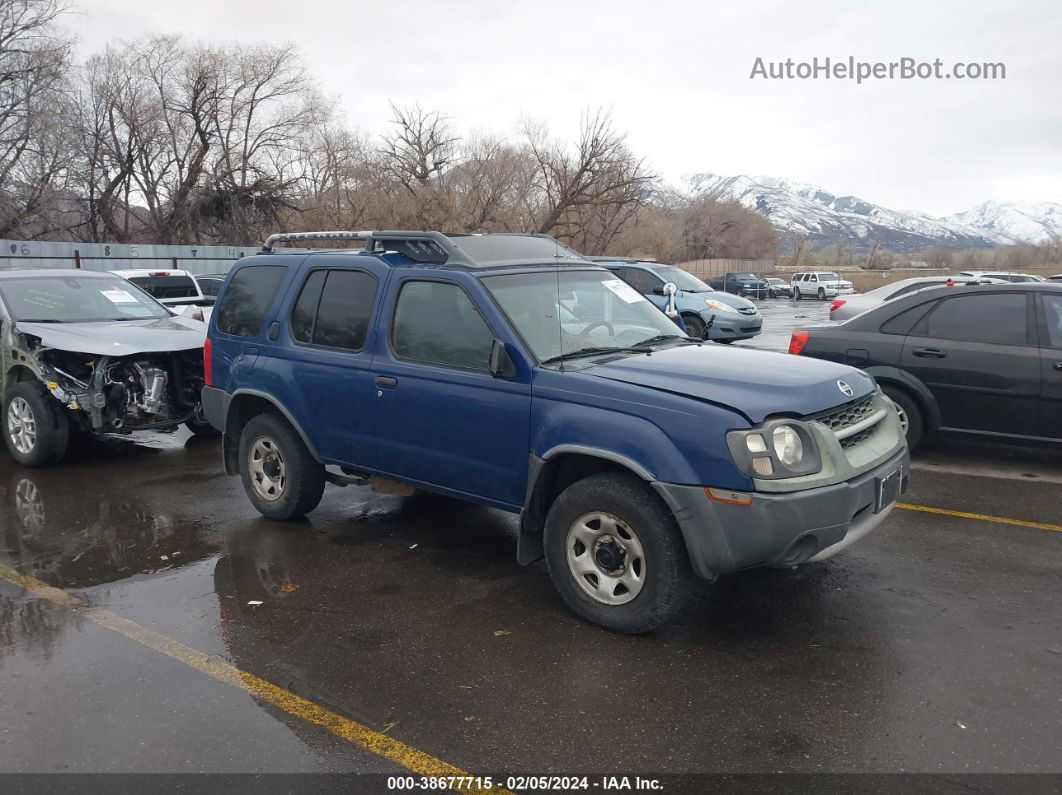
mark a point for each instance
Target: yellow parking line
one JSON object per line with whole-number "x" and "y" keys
{"x": 983, "y": 517}
{"x": 358, "y": 734}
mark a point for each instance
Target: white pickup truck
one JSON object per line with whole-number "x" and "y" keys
{"x": 178, "y": 290}
{"x": 819, "y": 284}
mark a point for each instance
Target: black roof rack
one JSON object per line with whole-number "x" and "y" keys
{"x": 459, "y": 250}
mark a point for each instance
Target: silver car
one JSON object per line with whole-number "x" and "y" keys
{"x": 848, "y": 306}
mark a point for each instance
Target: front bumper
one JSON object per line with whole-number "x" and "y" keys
{"x": 730, "y": 326}
{"x": 778, "y": 529}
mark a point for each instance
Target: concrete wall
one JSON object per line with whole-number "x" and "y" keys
{"x": 120, "y": 256}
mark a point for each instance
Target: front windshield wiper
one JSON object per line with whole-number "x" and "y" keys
{"x": 593, "y": 352}
{"x": 44, "y": 320}
{"x": 665, "y": 338}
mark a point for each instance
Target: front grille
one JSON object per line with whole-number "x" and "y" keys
{"x": 840, "y": 418}
{"x": 750, "y": 329}
{"x": 860, "y": 437}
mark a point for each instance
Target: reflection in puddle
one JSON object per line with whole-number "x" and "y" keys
{"x": 78, "y": 537}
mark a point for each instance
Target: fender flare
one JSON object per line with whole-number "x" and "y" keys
{"x": 230, "y": 445}
{"x": 894, "y": 375}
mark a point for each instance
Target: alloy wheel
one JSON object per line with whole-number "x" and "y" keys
{"x": 21, "y": 425}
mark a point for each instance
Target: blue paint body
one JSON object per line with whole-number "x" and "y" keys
{"x": 473, "y": 435}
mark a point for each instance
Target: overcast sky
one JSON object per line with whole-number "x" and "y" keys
{"x": 676, "y": 76}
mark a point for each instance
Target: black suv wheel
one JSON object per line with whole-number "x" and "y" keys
{"x": 280, "y": 475}
{"x": 35, "y": 429}
{"x": 615, "y": 553}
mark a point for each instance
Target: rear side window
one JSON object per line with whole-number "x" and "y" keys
{"x": 163, "y": 287}
{"x": 248, "y": 298}
{"x": 334, "y": 308}
{"x": 910, "y": 288}
{"x": 1053, "y": 316}
{"x": 986, "y": 317}
{"x": 438, "y": 323}
{"x": 642, "y": 281}
{"x": 905, "y": 321}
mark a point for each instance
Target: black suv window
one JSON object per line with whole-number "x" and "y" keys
{"x": 333, "y": 309}
{"x": 438, "y": 323}
{"x": 986, "y": 317}
{"x": 642, "y": 281}
{"x": 1053, "y": 316}
{"x": 248, "y": 298}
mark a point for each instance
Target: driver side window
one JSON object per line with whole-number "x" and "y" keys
{"x": 642, "y": 281}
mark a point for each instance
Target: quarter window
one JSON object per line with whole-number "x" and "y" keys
{"x": 248, "y": 298}
{"x": 988, "y": 317}
{"x": 437, "y": 322}
{"x": 1053, "y": 316}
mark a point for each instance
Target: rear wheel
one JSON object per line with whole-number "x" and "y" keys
{"x": 36, "y": 430}
{"x": 280, "y": 475}
{"x": 695, "y": 327}
{"x": 201, "y": 428}
{"x": 796, "y": 294}
{"x": 615, "y": 553}
{"x": 912, "y": 420}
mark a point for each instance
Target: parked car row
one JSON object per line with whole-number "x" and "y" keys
{"x": 979, "y": 358}
{"x": 852, "y": 305}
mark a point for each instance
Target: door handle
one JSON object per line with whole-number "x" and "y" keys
{"x": 386, "y": 381}
{"x": 930, "y": 353}
{"x": 1058, "y": 365}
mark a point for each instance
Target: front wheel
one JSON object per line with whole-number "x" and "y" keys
{"x": 772, "y": 294}
{"x": 280, "y": 475}
{"x": 695, "y": 327}
{"x": 822, "y": 294}
{"x": 35, "y": 429}
{"x": 616, "y": 555}
{"x": 912, "y": 423}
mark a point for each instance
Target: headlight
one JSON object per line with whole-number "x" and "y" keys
{"x": 787, "y": 445}
{"x": 719, "y": 306}
{"x": 777, "y": 449}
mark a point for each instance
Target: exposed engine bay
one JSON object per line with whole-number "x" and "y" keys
{"x": 124, "y": 393}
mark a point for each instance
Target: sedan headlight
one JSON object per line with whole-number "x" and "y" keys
{"x": 719, "y": 306}
{"x": 777, "y": 449}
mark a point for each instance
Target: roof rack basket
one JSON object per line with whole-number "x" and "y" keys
{"x": 421, "y": 246}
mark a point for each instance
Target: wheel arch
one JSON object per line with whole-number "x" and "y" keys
{"x": 556, "y": 470}
{"x": 919, "y": 392}
{"x": 244, "y": 405}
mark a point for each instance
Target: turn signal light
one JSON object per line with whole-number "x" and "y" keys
{"x": 728, "y": 497}
{"x": 798, "y": 341}
{"x": 837, "y": 304}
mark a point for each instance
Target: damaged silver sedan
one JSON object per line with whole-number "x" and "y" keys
{"x": 91, "y": 352}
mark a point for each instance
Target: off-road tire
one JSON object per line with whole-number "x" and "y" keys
{"x": 916, "y": 423}
{"x": 668, "y": 576}
{"x": 695, "y": 327}
{"x": 52, "y": 426}
{"x": 305, "y": 477}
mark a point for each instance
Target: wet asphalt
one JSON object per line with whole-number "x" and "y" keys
{"x": 935, "y": 645}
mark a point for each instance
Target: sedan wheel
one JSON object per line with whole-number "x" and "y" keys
{"x": 21, "y": 425}
{"x": 606, "y": 558}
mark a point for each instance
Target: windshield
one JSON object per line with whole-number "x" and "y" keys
{"x": 76, "y": 299}
{"x": 559, "y": 313}
{"x": 744, "y": 276}
{"x": 684, "y": 280}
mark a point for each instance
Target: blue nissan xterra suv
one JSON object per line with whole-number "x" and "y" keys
{"x": 510, "y": 371}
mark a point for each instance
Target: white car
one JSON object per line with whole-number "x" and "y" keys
{"x": 176, "y": 289}
{"x": 850, "y": 306}
{"x": 1005, "y": 276}
{"x": 819, "y": 284}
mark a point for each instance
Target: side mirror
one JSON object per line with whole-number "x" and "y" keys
{"x": 501, "y": 364}
{"x": 669, "y": 290}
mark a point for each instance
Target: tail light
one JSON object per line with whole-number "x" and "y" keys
{"x": 208, "y": 362}
{"x": 837, "y": 305}
{"x": 798, "y": 341}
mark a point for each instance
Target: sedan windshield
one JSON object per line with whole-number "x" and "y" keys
{"x": 684, "y": 280}
{"x": 76, "y": 299}
{"x": 560, "y": 313}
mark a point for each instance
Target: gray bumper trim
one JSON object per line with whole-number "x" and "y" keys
{"x": 777, "y": 529}
{"x": 215, "y": 406}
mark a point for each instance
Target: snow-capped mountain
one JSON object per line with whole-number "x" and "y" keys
{"x": 826, "y": 217}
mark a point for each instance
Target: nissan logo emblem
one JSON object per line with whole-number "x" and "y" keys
{"x": 845, "y": 389}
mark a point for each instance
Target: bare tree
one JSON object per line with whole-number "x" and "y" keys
{"x": 34, "y": 109}
{"x": 601, "y": 171}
